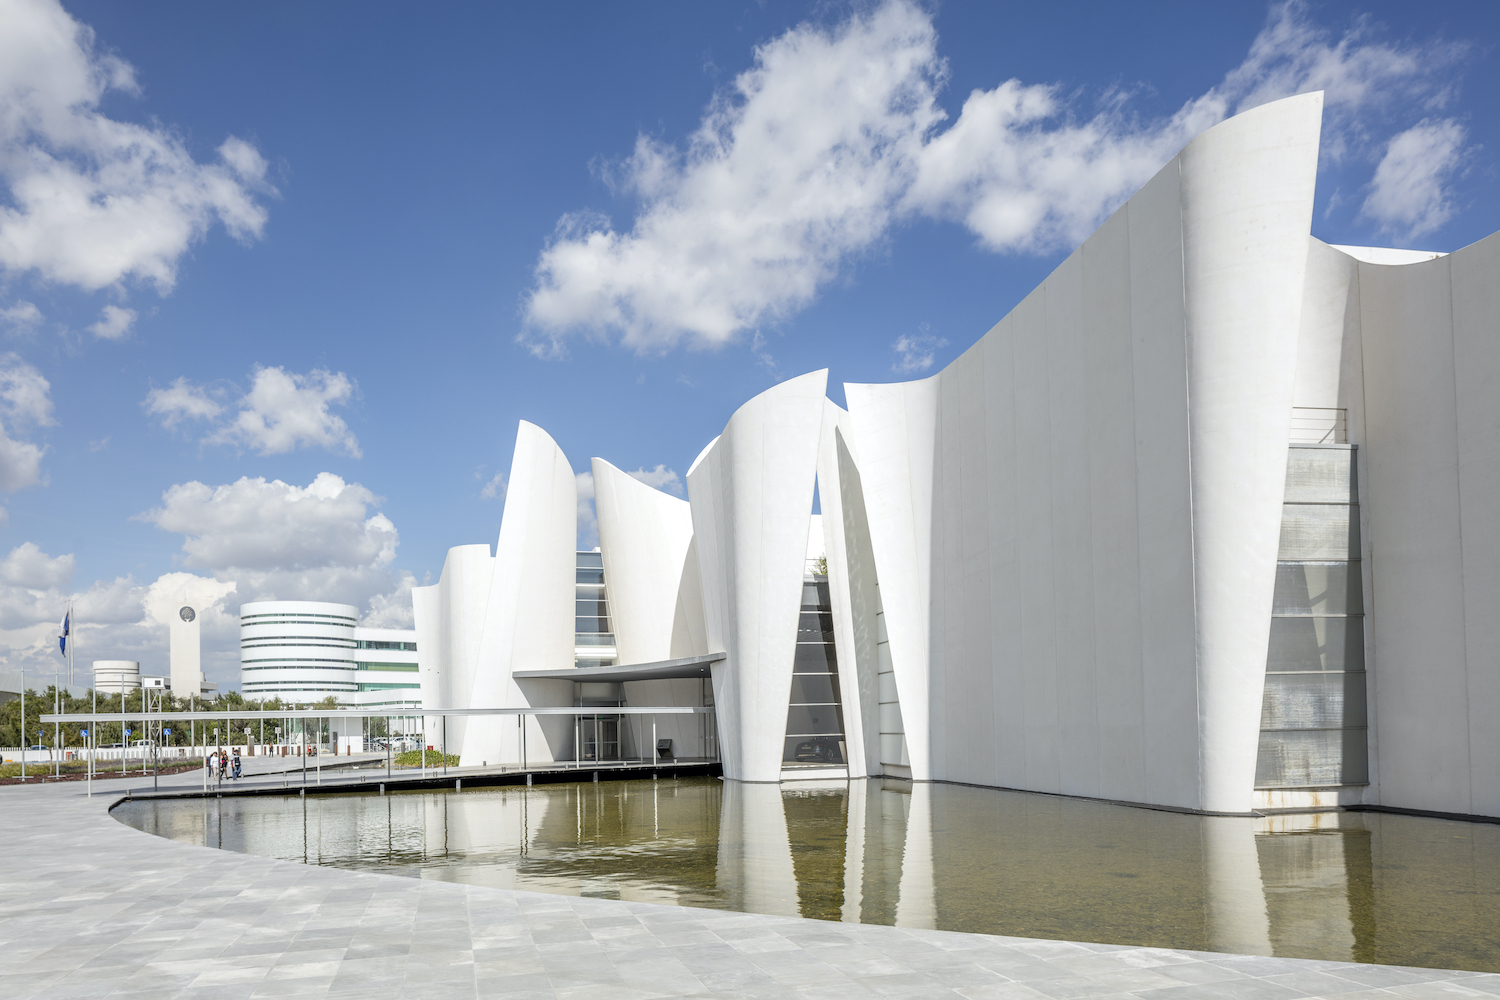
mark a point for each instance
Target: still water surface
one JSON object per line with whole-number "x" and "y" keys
{"x": 1363, "y": 887}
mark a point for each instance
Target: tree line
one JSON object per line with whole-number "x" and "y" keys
{"x": 14, "y": 731}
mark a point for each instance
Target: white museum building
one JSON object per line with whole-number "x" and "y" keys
{"x": 1210, "y": 521}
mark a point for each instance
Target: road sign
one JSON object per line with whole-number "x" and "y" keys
{"x": 127, "y": 732}
{"x": 83, "y": 732}
{"x": 168, "y": 732}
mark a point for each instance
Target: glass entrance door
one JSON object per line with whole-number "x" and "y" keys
{"x": 601, "y": 738}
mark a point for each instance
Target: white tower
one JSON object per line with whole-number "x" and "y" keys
{"x": 186, "y": 647}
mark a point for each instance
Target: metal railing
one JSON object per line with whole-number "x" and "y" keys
{"x": 1320, "y": 425}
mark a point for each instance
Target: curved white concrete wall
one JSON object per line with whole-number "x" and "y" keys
{"x": 1430, "y": 465}
{"x": 895, "y": 432}
{"x": 851, "y": 578}
{"x": 751, "y": 493}
{"x": 644, "y": 536}
{"x": 1088, "y": 501}
{"x": 449, "y": 620}
{"x": 655, "y": 604}
{"x": 528, "y": 617}
{"x": 1247, "y": 200}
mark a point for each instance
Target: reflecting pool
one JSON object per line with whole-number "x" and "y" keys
{"x": 1364, "y": 887}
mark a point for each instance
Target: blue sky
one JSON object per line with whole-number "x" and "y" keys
{"x": 246, "y": 249}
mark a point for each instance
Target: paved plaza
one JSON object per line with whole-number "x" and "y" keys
{"x": 91, "y": 908}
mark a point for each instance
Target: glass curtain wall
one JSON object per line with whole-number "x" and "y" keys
{"x": 598, "y": 737}
{"x": 1313, "y": 717}
{"x": 593, "y": 639}
{"x": 815, "y": 716}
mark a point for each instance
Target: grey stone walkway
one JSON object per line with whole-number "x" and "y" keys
{"x": 90, "y": 908}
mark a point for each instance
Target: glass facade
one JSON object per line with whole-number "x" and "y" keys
{"x": 593, "y": 638}
{"x": 598, "y": 737}
{"x": 815, "y": 716}
{"x": 1313, "y": 715}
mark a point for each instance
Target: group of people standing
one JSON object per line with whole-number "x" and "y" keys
{"x": 221, "y": 764}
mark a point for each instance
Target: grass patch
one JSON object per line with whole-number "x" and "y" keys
{"x": 425, "y": 758}
{"x": 77, "y": 770}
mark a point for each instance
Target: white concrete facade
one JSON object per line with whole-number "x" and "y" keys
{"x": 1207, "y": 521}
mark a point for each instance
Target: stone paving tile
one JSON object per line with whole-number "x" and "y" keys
{"x": 91, "y": 909}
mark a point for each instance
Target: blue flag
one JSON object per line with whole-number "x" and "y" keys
{"x": 62, "y": 640}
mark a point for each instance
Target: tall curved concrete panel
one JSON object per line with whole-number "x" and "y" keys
{"x": 1247, "y": 200}
{"x": 529, "y": 613}
{"x": 751, "y": 493}
{"x": 655, "y": 605}
{"x": 1075, "y": 524}
{"x": 895, "y": 432}
{"x": 1431, "y": 461}
{"x": 645, "y": 537}
{"x": 851, "y": 586}
{"x": 449, "y": 621}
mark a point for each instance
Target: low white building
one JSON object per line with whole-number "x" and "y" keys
{"x": 306, "y": 651}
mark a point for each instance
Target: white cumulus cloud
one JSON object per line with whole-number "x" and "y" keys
{"x": 392, "y": 609}
{"x": 92, "y": 201}
{"x": 1409, "y": 194}
{"x": 114, "y": 323}
{"x": 281, "y": 411}
{"x": 661, "y": 478}
{"x": 284, "y": 542}
{"x": 29, "y": 567}
{"x": 25, "y": 404}
{"x": 112, "y": 619}
{"x": 835, "y": 135}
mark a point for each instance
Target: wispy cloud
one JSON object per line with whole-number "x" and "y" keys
{"x": 21, "y": 316}
{"x": 588, "y": 519}
{"x": 25, "y": 404}
{"x": 1409, "y": 194}
{"x": 661, "y": 478}
{"x": 916, "y": 352}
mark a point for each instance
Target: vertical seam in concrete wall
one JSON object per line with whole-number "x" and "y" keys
{"x": 1187, "y": 393}
{"x": 1135, "y": 465}
{"x": 1367, "y": 554}
{"x": 1458, "y": 477}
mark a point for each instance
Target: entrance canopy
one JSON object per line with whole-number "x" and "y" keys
{"x": 661, "y": 670}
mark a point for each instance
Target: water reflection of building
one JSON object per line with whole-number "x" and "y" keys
{"x": 1344, "y": 887}
{"x": 1121, "y": 548}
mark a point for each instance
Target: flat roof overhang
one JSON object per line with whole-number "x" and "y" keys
{"x": 660, "y": 670}
{"x": 368, "y": 713}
